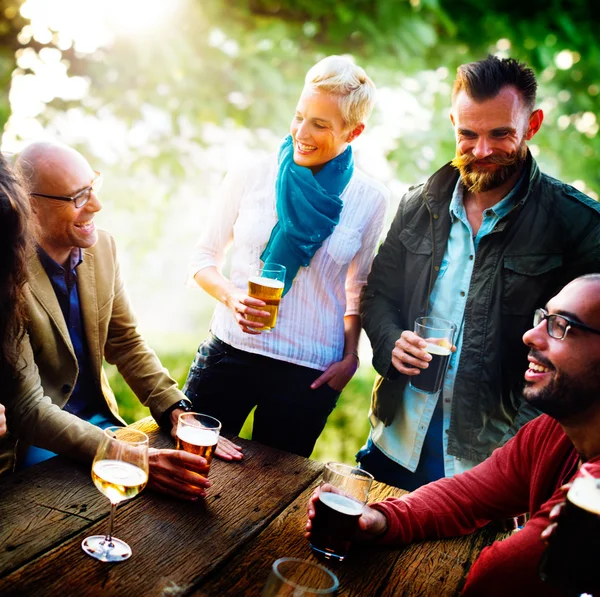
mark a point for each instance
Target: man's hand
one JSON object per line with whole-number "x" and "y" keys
{"x": 371, "y": 524}
{"x": 554, "y": 515}
{"x": 242, "y": 305}
{"x": 226, "y": 449}
{"x": 409, "y": 355}
{"x": 178, "y": 473}
{"x": 337, "y": 375}
{"x": 2, "y": 421}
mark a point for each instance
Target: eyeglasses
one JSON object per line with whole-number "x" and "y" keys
{"x": 559, "y": 325}
{"x": 80, "y": 198}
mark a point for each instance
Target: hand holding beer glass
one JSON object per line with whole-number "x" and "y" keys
{"x": 120, "y": 472}
{"x": 570, "y": 561}
{"x": 293, "y": 577}
{"x": 341, "y": 498}
{"x": 439, "y": 337}
{"x": 198, "y": 434}
{"x": 266, "y": 284}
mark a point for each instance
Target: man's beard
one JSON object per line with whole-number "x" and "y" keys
{"x": 564, "y": 396}
{"x": 480, "y": 181}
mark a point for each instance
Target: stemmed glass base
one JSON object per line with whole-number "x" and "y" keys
{"x": 105, "y": 550}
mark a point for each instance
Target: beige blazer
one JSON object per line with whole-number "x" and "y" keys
{"x": 35, "y": 415}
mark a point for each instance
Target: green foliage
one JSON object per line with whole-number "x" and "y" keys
{"x": 345, "y": 432}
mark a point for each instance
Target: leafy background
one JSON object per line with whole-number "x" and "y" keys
{"x": 163, "y": 97}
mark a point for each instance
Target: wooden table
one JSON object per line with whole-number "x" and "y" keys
{"x": 255, "y": 513}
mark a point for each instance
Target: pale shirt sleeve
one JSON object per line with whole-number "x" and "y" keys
{"x": 217, "y": 234}
{"x": 360, "y": 266}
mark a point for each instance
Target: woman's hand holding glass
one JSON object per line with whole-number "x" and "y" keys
{"x": 243, "y": 305}
{"x": 120, "y": 472}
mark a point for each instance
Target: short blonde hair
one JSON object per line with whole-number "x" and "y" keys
{"x": 340, "y": 76}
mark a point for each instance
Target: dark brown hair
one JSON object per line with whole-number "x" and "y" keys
{"x": 484, "y": 79}
{"x": 14, "y": 246}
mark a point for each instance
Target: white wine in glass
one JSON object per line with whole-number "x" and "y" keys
{"x": 120, "y": 472}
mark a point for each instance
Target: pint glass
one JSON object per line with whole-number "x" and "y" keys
{"x": 293, "y": 577}
{"x": 267, "y": 284}
{"x": 570, "y": 561}
{"x": 439, "y": 336}
{"x": 198, "y": 434}
{"x": 342, "y": 495}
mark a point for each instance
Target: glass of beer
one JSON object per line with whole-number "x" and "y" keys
{"x": 120, "y": 472}
{"x": 570, "y": 561}
{"x": 266, "y": 283}
{"x": 439, "y": 336}
{"x": 342, "y": 495}
{"x": 293, "y": 577}
{"x": 198, "y": 434}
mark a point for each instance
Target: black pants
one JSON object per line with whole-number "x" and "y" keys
{"x": 227, "y": 383}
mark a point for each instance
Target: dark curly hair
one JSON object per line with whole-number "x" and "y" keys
{"x": 14, "y": 246}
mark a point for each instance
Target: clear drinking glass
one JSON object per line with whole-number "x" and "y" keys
{"x": 198, "y": 434}
{"x": 120, "y": 472}
{"x": 342, "y": 495}
{"x": 570, "y": 561}
{"x": 293, "y": 577}
{"x": 267, "y": 283}
{"x": 439, "y": 336}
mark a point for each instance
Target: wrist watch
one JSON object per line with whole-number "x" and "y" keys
{"x": 165, "y": 419}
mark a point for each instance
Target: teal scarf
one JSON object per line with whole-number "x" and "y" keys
{"x": 308, "y": 209}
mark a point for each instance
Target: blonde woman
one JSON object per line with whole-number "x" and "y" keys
{"x": 311, "y": 210}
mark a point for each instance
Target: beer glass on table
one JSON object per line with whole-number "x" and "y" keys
{"x": 120, "y": 472}
{"x": 267, "y": 283}
{"x": 293, "y": 577}
{"x": 570, "y": 561}
{"x": 342, "y": 495}
{"x": 198, "y": 434}
{"x": 439, "y": 336}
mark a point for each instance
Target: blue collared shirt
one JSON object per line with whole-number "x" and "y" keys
{"x": 85, "y": 400}
{"x": 403, "y": 440}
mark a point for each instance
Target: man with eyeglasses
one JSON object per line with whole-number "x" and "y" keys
{"x": 482, "y": 243}
{"x": 79, "y": 314}
{"x": 527, "y": 473}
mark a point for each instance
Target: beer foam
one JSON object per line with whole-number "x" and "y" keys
{"x": 585, "y": 493}
{"x": 269, "y": 282}
{"x": 198, "y": 436}
{"x": 438, "y": 350}
{"x": 341, "y": 503}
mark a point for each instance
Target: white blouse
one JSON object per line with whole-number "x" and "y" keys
{"x": 310, "y": 324}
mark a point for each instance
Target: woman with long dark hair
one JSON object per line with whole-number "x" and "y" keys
{"x": 14, "y": 242}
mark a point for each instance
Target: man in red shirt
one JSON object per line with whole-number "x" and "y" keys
{"x": 525, "y": 475}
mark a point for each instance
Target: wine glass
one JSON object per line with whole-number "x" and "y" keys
{"x": 120, "y": 472}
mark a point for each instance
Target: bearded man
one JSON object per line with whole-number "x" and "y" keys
{"x": 486, "y": 240}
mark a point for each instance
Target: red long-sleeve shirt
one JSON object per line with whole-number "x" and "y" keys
{"x": 523, "y": 476}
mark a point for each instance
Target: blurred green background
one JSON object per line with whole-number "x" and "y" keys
{"x": 164, "y": 96}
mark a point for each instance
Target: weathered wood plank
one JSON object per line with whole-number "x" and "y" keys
{"x": 428, "y": 568}
{"x": 174, "y": 543}
{"x": 50, "y": 502}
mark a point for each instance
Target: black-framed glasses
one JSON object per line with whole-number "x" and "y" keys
{"x": 559, "y": 325}
{"x": 80, "y": 198}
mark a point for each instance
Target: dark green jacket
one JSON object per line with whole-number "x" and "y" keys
{"x": 549, "y": 238}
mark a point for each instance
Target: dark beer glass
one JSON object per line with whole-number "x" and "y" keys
{"x": 439, "y": 336}
{"x": 570, "y": 561}
{"x": 342, "y": 495}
